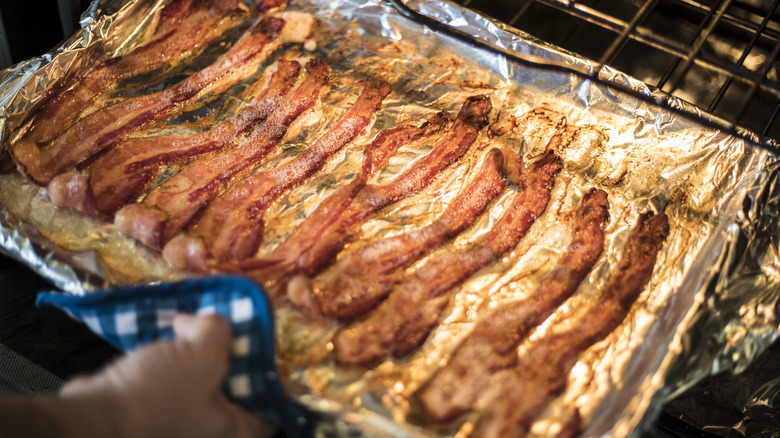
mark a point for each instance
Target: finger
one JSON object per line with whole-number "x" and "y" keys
{"x": 206, "y": 342}
{"x": 78, "y": 386}
{"x": 258, "y": 427}
{"x": 209, "y": 332}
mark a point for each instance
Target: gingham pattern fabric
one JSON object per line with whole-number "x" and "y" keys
{"x": 131, "y": 317}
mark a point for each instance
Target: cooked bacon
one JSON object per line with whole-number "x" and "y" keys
{"x": 103, "y": 128}
{"x": 70, "y": 189}
{"x": 377, "y": 155}
{"x": 541, "y": 373}
{"x": 182, "y": 195}
{"x": 128, "y": 168}
{"x": 359, "y": 281}
{"x": 267, "y": 5}
{"x": 232, "y": 225}
{"x": 324, "y": 232}
{"x": 491, "y": 346}
{"x": 636, "y": 267}
{"x": 185, "y": 27}
{"x": 402, "y": 322}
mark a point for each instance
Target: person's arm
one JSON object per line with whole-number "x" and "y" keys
{"x": 167, "y": 389}
{"x": 28, "y": 417}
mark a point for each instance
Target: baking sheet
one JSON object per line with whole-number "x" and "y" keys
{"x": 710, "y": 304}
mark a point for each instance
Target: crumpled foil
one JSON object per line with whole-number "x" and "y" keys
{"x": 709, "y": 307}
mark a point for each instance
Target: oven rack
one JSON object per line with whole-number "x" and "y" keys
{"x": 718, "y": 55}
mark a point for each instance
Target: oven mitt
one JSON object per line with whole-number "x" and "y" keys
{"x": 131, "y": 317}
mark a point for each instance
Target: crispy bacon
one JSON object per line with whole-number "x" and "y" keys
{"x": 402, "y": 322}
{"x": 132, "y": 165}
{"x": 182, "y": 195}
{"x": 359, "y": 281}
{"x": 491, "y": 346}
{"x": 542, "y": 372}
{"x": 103, "y": 128}
{"x": 185, "y": 27}
{"x": 324, "y": 232}
{"x": 377, "y": 155}
{"x": 232, "y": 225}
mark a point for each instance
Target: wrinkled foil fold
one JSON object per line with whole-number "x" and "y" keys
{"x": 710, "y": 307}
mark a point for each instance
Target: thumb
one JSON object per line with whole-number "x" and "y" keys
{"x": 208, "y": 338}
{"x": 202, "y": 329}
{"x": 247, "y": 424}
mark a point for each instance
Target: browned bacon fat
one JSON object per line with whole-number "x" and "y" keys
{"x": 180, "y": 197}
{"x": 491, "y": 346}
{"x": 71, "y": 189}
{"x": 127, "y": 169}
{"x": 322, "y": 234}
{"x": 232, "y": 225}
{"x": 104, "y": 127}
{"x": 402, "y": 322}
{"x": 185, "y": 27}
{"x": 541, "y": 373}
{"x": 359, "y": 281}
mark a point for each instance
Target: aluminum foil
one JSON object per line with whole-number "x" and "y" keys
{"x": 709, "y": 307}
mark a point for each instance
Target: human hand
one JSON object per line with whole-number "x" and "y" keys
{"x": 171, "y": 388}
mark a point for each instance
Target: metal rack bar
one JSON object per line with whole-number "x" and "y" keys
{"x": 670, "y": 71}
{"x": 754, "y": 86}
{"x": 574, "y": 28}
{"x": 696, "y": 49}
{"x": 589, "y": 74}
{"x": 648, "y": 37}
{"x": 744, "y": 55}
{"x": 519, "y": 12}
{"x": 771, "y": 121}
{"x": 620, "y": 41}
{"x": 753, "y": 30}
{"x": 727, "y": 19}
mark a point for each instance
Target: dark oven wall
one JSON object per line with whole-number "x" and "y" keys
{"x": 31, "y": 28}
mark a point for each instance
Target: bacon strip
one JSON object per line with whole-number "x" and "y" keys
{"x": 103, "y": 128}
{"x": 232, "y": 226}
{"x": 378, "y": 153}
{"x": 402, "y": 322}
{"x": 181, "y": 196}
{"x": 127, "y": 169}
{"x": 186, "y": 26}
{"x": 358, "y": 282}
{"x": 541, "y": 373}
{"x": 323, "y": 233}
{"x": 491, "y": 346}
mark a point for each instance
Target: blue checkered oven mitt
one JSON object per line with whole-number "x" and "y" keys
{"x": 131, "y": 317}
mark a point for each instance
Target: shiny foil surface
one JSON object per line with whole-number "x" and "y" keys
{"x": 710, "y": 305}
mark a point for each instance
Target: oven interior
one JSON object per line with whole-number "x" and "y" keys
{"x": 720, "y": 55}
{"x": 28, "y": 29}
